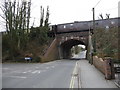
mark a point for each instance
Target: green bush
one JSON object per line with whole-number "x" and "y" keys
{"x": 95, "y": 53}
{"x": 36, "y": 59}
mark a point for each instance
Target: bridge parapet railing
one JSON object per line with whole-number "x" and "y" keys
{"x": 117, "y": 73}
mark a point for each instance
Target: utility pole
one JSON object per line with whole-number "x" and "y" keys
{"x": 94, "y": 36}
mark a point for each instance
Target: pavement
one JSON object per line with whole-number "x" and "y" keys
{"x": 90, "y": 77}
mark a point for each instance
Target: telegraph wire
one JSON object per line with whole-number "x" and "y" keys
{"x": 97, "y": 3}
{"x": 110, "y": 9}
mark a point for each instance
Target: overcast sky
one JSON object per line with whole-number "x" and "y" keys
{"x": 66, "y": 11}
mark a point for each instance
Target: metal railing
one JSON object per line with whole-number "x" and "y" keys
{"x": 117, "y": 73}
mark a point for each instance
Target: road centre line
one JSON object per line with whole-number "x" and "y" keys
{"x": 73, "y": 76}
{"x": 79, "y": 77}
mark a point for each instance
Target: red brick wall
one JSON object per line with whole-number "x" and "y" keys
{"x": 52, "y": 52}
{"x": 104, "y": 66}
{"x": 99, "y": 64}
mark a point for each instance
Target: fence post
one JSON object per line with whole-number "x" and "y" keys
{"x": 112, "y": 69}
{"x": 109, "y": 68}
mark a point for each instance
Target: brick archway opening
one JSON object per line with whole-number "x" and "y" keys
{"x": 65, "y": 47}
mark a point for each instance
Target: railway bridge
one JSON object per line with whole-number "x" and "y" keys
{"x": 66, "y": 36}
{"x": 69, "y": 36}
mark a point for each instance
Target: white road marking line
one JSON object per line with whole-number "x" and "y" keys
{"x": 24, "y": 72}
{"x": 37, "y": 71}
{"x": 53, "y": 66}
{"x": 79, "y": 77}
{"x": 17, "y": 77}
{"x": 47, "y": 67}
{"x": 34, "y": 72}
{"x": 73, "y": 77}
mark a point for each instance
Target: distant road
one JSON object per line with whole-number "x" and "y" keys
{"x": 56, "y": 74}
{"x": 82, "y": 54}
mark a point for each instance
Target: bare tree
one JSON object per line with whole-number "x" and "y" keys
{"x": 107, "y": 16}
{"x": 41, "y": 16}
{"x": 16, "y": 15}
{"x": 101, "y": 16}
{"x": 47, "y": 17}
{"x": 28, "y": 15}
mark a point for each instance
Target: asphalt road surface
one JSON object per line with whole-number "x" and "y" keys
{"x": 56, "y": 74}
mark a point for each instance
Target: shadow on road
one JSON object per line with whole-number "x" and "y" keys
{"x": 77, "y": 58}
